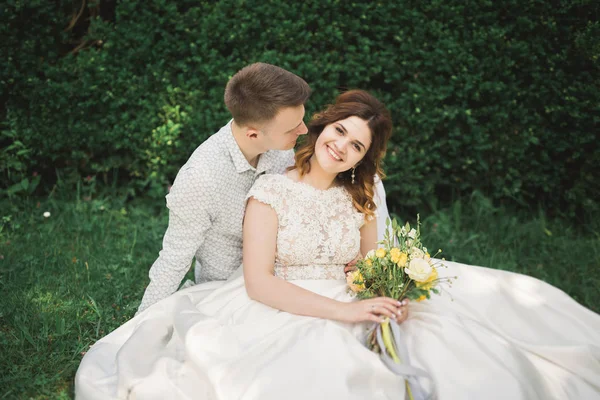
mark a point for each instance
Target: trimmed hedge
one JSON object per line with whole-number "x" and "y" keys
{"x": 501, "y": 97}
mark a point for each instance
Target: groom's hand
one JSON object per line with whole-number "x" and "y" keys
{"x": 351, "y": 266}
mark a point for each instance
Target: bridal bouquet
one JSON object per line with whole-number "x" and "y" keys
{"x": 400, "y": 268}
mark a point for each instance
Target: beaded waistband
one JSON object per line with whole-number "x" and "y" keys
{"x": 315, "y": 271}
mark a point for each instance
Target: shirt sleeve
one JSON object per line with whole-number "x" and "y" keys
{"x": 190, "y": 203}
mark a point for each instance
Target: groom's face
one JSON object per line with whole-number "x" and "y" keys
{"x": 282, "y": 132}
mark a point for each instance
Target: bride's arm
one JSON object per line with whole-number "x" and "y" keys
{"x": 260, "y": 240}
{"x": 368, "y": 242}
{"x": 368, "y": 236}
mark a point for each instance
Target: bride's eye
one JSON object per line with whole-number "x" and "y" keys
{"x": 356, "y": 147}
{"x": 339, "y": 130}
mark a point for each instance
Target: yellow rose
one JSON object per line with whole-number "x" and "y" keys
{"x": 400, "y": 259}
{"x": 395, "y": 253}
{"x": 422, "y": 298}
{"x": 355, "y": 276}
{"x": 380, "y": 253}
{"x": 430, "y": 282}
{"x": 418, "y": 270}
{"x": 369, "y": 263}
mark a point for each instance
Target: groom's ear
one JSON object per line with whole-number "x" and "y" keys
{"x": 252, "y": 133}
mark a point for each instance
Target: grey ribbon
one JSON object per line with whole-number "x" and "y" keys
{"x": 410, "y": 373}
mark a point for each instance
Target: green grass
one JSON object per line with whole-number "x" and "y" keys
{"x": 66, "y": 281}
{"x": 69, "y": 279}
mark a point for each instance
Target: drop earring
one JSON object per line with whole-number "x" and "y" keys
{"x": 353, "y": 168}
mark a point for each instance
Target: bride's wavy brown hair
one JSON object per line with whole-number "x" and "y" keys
{"x": 361, "y": 104}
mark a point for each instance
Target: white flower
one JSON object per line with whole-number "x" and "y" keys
{"x": 418, "y": 270}
{"x": 416, "y": 253}
{"x": 412, "y": 234}
{"x": 370, "y": 254}
{"x": 403, "y": 231}
{"x": 47, "y": 214}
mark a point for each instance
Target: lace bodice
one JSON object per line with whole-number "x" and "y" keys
{"x": 318, "y": 231}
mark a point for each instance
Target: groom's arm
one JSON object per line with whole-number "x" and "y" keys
{"x": 189, "y": 203}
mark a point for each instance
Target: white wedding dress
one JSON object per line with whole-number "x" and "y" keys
{"x": 493, "y": 335}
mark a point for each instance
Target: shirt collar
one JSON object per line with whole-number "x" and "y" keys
{"x": 265, "y": 160}
{"x": 239, "y": 161}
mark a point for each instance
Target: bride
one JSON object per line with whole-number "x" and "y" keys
{"x": 287, "y": 328}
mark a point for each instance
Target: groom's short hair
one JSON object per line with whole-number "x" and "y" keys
{"x": 258, "y": 91}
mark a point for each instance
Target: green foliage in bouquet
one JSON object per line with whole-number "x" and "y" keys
{"x": 400, "y": 268}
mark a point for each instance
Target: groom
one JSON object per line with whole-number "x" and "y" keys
{"x": 207, "y": 200}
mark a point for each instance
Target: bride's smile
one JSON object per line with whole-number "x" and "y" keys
{"x": 343, "y": 144}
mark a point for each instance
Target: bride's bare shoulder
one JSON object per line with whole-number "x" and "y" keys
{"x": 293, "y": 175}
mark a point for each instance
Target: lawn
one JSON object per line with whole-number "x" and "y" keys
{"x": 70, "y": 278}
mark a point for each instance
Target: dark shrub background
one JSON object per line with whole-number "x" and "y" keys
{"x": 499, "y": 97}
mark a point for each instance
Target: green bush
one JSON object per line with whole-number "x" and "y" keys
{"x": 500, "y": 97}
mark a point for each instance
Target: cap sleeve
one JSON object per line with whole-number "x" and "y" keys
{"x": 268, "y": 189}
{"x": 363, "y": 219}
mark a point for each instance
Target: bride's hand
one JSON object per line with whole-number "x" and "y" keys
{"x": 375, "y": 310}
{"x": 351, "y": 266}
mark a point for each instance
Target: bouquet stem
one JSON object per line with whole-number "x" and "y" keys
{"x": 386, "y": 334}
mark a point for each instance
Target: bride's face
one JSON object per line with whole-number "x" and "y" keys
{"x": 343, "y": 144}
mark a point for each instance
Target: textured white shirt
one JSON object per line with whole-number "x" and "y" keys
{"x": 206, "y": 210}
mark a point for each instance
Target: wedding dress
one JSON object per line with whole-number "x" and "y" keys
{"x": 493, "y": 335}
